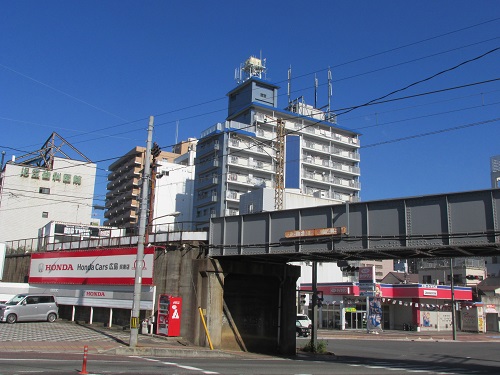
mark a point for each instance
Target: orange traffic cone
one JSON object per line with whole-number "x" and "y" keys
{"x": 84, "y": 365}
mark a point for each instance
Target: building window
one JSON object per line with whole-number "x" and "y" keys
{"x": 43, "y": 190}
{"x": 427, "y": 279}
{"x": 45, "y": 214}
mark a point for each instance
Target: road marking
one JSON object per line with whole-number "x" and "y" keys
{"x": 178, "y": 365}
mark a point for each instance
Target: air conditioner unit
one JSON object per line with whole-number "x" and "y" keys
{"x": 320, "y": 194}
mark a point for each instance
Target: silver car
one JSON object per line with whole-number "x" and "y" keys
{"x": 29, "y": 307}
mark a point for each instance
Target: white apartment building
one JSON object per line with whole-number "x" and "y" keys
{"x": 45, "y": 186}
{"x": 238, "y": 156}
{"x": 173, "y": 203}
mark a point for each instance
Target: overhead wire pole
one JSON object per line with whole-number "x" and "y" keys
{"x": 134, "y": 318}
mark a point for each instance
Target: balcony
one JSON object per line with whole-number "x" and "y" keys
{"x": 208, "y": 164}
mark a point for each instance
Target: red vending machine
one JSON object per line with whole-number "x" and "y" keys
{"x": 169, "y": 315}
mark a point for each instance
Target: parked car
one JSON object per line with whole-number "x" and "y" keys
{"x": 303, "y": 326}
{"x": 29, "y": 307}
{"x": 301, "y": 331}
{"x": 304, "y": 320}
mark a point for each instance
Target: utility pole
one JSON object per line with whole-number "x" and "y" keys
{"x": 453, "y": 312}
{"x": 314, "y": 318}
{"x": 136, "y": 303}
{"x": 155, "y": 152}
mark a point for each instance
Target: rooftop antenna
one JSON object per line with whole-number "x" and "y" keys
{"x": 329, "y": 90}
{"x": 315, "y": 91}
{"x": 176, "y": 131}
{"x": 289, "y": 84}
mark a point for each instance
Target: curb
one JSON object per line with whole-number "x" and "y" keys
{"x": 171, "y": 352}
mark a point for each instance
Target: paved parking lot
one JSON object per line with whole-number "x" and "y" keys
{"x": 64, "y": 336}
{"x": 44, "y": 331}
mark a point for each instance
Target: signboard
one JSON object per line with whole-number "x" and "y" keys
{"x": 433, "y": 293}
{"x": 76, "y": 230}
{"x": 366, "y": 274}
{"x": 315, "y": 232}
{"x": 350, "y": 309}
{"x": 91, "y": 267}
{"x": 374, "y": 322}
{"x": 340, "y": 290}
{"x": 43, "y": 174}
{"x": 490, "y": 309}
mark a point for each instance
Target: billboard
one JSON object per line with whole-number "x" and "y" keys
{"x": 91, "y": 267}
{"x": 366, "y": 274}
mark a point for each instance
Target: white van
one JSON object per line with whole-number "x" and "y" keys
{"x": 29, "y": 307}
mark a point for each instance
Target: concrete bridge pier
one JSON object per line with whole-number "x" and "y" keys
{"x": 248, "y": 306}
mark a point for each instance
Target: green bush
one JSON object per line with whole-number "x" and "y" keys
{"x": 319, "y": 348}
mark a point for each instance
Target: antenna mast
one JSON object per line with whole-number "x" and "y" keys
{"x": 289, "y": 84}
{"x": 315, "y": 91}
{"x": 329, "y": 91}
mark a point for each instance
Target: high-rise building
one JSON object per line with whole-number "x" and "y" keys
{"x": 259, "y": 143}
{"x": 124, "y": 186}
{"x": 495, "y": 171}
{"x": 54, "y": 183}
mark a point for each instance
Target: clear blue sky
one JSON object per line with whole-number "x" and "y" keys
{"x": 90, "y": 69}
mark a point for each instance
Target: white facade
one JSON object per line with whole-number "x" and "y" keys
{"x": 173, "y": 195}
{"x": 32, "y": 196}
{"x": 262, "y": 200}
{"x": 327, "y": 273}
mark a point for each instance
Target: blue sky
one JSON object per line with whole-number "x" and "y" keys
{"x": 94, "y": 71}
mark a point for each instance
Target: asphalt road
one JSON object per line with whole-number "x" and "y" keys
{"x": 28, "y": 349}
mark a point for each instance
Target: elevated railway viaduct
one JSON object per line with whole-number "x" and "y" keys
{"x": 252, "y": 251}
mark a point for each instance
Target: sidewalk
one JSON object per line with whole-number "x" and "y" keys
{"x": 409, "y": 335}
{"x": 70, "y": 337}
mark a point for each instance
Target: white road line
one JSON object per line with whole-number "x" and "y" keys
{"x": 178, "y": 365}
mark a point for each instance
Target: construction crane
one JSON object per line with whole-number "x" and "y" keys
{"x": 279, "y": 182}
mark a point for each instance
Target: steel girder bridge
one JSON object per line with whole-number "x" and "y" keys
{"x": 463, "y": 224}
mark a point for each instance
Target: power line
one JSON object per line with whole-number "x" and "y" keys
{"x": 432, "y": 133}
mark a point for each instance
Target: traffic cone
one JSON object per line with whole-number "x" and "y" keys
{"x": 84, "y": 365}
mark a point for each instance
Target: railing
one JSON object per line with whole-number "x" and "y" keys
{"x": 457, "y": 262}
{"x": 168, "y": 231}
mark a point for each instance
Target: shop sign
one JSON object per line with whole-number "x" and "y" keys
{"x": 340, "y": 290}
{"x": 367, "y": 293}
{"x": 367, "y": 286}
{"x": 366, "y": 274}
{"x": 433, "y": 293}
{"x": 97, "y": 294}
{"x": 114, "y": 266}
{"x": 490, "y": 309}
{"x": 45, "y": 175}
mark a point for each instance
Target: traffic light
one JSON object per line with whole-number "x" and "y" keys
{"x": 155, "y": 150}
{"x": 304, "y": 299}
{"x": 319, "y": 299}
{"x": 350, "y": 269}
